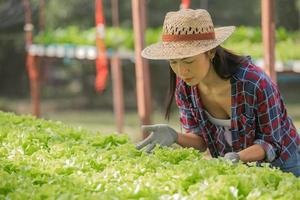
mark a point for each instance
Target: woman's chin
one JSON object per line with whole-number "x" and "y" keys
{"x": 192, "y": 83}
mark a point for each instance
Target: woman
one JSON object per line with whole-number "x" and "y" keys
{"x": 226, "y": 103}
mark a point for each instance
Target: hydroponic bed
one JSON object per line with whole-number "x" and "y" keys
{"x": 49, "y": 160}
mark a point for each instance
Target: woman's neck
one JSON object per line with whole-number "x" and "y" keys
{"x": 212, "y": 82}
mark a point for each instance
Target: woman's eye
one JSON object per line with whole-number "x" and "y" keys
{"x": 188, "y": 62}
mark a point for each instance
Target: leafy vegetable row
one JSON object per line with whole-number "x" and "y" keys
{"x": 49, "y": 160}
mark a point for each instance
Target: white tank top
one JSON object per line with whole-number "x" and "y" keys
{"x": 226, "y": 123}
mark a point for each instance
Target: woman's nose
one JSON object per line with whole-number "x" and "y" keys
{"x": 183, "y": 70}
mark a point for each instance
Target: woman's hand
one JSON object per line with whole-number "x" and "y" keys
{"x": 251, "y": 154}
{"x": 160, "y": 134}
{"x": 232, "y": 156}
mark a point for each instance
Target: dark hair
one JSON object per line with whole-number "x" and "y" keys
{"x": 225, "y": 64}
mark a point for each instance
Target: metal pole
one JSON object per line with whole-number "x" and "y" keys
{"x": 118, "y": 97}
{"x": 115, "y": 12}
{"x": 204, "y": 4}
{"x": 142, "y": 70}
{"x": 31, "y": 62}
{"x": 268, "y": 31}
{"x": 117, "y": 78}
{"x": 143, "y": 7}
{"x": 41, "y": 15}
{"x": 34, "y": 76}
{"x": 28, "y": 27}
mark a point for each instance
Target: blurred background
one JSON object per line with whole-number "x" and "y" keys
{"x": 67, "y": 85}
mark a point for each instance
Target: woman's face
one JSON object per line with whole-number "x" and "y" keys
{"x": 193, "y": 69}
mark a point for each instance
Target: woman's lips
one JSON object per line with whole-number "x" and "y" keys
{"x": 188, "y": 79}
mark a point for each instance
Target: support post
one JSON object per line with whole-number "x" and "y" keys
{"x": 31, "y": 62}
{"x": 34, "y": 77}
{"x": 118, "y": 97}
{"x": 141, "y": 65}
{"x": 117, "y": 76}
{"x": 115, "y": 12}
{"x": 41, "y": 15}
{"x": 268, "y": 31}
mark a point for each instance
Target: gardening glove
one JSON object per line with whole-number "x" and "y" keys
{"x": 232, "y": 156}
{"x": 160, "y": 134}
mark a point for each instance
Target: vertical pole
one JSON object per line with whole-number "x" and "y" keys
{"x": 34, "y": 76}
{"x": 118, "y": 98}
{"x": 115, "y": 13}
{"x": 143, "y": 7}
{"x": 41, "y": 15}
{"x": 101, "y": 60}
{"x": 31, "y": 63}
{"x": 142, "y": 70}
{"x": 204, "y": 4}
{"x": 28, "y": 27}
{"x": 117, "y": 78}
{"x": 268, "y": 31}
{"x": 185, "y": 4}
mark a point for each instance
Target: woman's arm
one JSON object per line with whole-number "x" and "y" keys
{"x": 252, "y": 153}
{"x": 192, "y": 140}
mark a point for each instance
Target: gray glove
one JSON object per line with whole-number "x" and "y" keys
{"x": 232, "y": 156}
{"x": 160, "y": 134}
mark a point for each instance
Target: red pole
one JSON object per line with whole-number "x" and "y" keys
{"x": 268, "y": 31}
{"x": 101, "y": 60}
{"x": 31, "y": 64}
{"x": 185, "y": 4}
{"x": 141, "y": 67}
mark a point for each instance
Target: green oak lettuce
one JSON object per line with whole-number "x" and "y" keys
{"x": 42, "y": 159}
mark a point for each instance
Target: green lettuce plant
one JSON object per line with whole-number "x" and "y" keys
{"x": 42, "y": 159}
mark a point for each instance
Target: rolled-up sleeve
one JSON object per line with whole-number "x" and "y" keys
{"x": 269, "y": 115}
{"x": 269, "y": 149}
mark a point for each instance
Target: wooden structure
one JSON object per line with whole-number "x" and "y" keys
{"x": 97, "y": 52}
{"x": 268, "y": 31}
{"x": 31, "y": 62}
{"x": 117, "y": 79}
{"x": 141, "y": 65}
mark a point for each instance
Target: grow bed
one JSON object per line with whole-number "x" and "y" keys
{"x": 42, "y": 159}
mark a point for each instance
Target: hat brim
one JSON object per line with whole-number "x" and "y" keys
{"x": 184, "y": 49}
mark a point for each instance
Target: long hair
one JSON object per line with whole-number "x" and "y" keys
{"x": 225, "y": 63}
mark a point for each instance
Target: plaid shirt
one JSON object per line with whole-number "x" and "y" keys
{"x": 258, "y": 116}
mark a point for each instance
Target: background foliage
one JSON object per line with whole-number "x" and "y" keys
{"x": 75, "y": 77}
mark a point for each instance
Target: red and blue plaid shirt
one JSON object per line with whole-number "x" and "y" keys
{"x": 258, "y": 116}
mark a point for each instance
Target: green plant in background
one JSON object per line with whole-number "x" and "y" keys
{"x": 248, "y": 41}
{"x": 48, "y": 160}
{"x": 245, "y": 40}
{"x": 153, "y": 35}
{"x": 246, "y": 34}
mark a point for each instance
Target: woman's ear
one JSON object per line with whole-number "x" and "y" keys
{"x": 211, "y": 53}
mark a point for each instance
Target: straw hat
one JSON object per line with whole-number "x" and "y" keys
{"x": 187, "y": 33}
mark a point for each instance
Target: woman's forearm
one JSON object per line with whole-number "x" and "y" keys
{"x": 191, "y": 140}
{"x": 252, "y": 153}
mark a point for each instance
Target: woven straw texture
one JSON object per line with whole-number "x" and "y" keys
{"x": 187, "y": 23}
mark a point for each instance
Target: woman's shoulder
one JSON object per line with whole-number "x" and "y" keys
{"x": 251, "y": 74}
